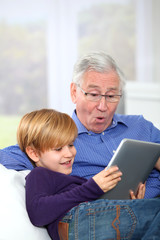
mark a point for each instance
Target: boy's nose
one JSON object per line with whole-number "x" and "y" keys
{"x": 68, "y": 151}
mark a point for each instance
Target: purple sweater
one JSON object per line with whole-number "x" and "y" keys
{"x": 50, "y": 195}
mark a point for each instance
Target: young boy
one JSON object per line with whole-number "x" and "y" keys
{"x": 47, "y": 137}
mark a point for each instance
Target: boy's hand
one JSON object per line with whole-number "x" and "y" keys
{"x": 108, "y": 179}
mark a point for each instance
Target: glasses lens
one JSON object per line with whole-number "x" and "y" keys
{"x": 93, "y": 97}
{"x": 112, "y": 98}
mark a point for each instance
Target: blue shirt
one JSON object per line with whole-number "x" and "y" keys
{"x": 94, "y": 150}
{"x": 13, "y": 158}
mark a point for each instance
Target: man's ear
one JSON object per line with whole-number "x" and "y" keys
{"x": 73, "y": 92}
{"x": 32, "y": 153}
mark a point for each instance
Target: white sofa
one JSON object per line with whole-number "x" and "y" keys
{"x": 14, "y": 220}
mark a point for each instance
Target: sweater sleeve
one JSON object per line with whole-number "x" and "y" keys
{"x": 45, "y": 203}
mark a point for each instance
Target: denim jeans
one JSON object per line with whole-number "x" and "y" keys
{"x": 115, "y": 219}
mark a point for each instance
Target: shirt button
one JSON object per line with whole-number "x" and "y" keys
{"x": 102, "y": 133}
{"x": 89, "y": 134}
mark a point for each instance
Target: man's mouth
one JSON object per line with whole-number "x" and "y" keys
{"x": 100, "y": 119}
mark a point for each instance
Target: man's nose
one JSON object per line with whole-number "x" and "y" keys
{"x": 102, "y": 104}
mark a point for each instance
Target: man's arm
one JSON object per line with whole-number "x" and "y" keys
{"x": 13, "y": 158}
{"x": 141, "y": 192}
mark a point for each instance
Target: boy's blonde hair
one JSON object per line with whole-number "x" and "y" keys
{"x": 45, "y": 129}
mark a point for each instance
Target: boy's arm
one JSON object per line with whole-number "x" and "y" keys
{"x": 45, "y": 204}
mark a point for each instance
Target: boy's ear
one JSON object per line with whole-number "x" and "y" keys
{"x": 32, "y": 153}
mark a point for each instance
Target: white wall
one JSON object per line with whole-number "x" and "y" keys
{"x": 143, "y": 95}
{"x": 144, "y": 98}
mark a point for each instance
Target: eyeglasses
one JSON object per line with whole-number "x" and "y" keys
{"x": 95, "y": 97}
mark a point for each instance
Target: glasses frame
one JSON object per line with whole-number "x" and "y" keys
{"x": 106, "y": 96}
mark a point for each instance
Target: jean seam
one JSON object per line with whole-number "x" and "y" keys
{"x": 76, "y": 223}
{"x": 116, "y": 228}
{"x": 94, "y": 227}
{"x": 134, "y": 219}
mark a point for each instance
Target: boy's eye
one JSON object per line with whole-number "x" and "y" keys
{"x": 58, "y": 149}
{"x": 71, "y": 145}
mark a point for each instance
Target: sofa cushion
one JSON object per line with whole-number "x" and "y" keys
{"x": 14, "y": 220}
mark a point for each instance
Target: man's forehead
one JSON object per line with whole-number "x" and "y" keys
{"x": 95, "y": 75}
{"x": 95, "y": 79}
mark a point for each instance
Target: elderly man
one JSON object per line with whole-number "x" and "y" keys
{"x": 96, "y": 90}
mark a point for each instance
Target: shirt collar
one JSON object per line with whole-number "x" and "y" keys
{"x": 117, "y": 118}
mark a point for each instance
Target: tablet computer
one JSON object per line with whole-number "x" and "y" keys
{"x": 135, "y": 160}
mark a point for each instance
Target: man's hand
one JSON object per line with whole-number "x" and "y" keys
{"x": 141, "y": 192}
{"x": 108, "y": 179}
{"x": 158, "y": 164}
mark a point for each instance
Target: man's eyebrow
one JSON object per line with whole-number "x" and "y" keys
{"x": 113, "y": 88}
{"x": 107, "y": 90}
{"x": 93, "y": 86}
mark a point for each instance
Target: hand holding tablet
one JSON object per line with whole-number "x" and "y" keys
{"x": 135, "y": 159}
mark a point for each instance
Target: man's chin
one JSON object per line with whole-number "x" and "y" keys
{"x": 98, "y": 129}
